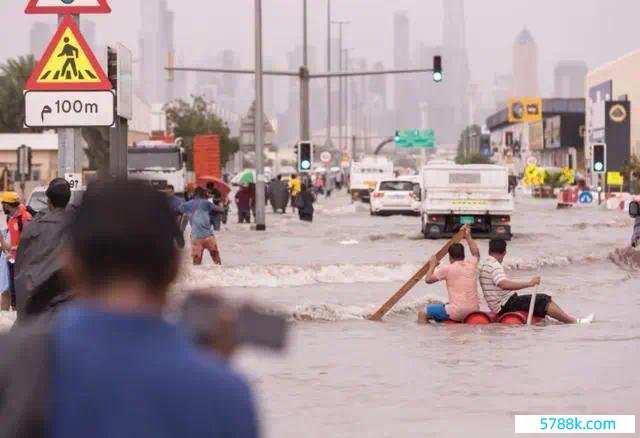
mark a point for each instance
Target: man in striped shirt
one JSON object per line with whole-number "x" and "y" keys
{"x": 500, "y": 292}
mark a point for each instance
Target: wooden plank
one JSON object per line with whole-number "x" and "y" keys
{"x": 414, "y": 280}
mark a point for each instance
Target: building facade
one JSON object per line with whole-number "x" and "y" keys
{"x": 556, "y": 141}
{"x": 611, "y": 86}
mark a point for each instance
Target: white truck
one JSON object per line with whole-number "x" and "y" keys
{"x": 161, "y": 164}
{"x": 366, "y": 174}
{"x": 476, "y": 194}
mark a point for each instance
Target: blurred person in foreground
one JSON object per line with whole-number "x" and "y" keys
{"x": 108, "y": 364}
{"x": 17, "y": 217}
{"x": 38, "y": 279}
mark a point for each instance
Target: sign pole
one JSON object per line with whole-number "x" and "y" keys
{"x": 69, "y": 144}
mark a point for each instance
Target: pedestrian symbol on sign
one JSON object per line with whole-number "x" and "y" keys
{"x": 71, "y": 54}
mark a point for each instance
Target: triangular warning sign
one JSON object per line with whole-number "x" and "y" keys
{"x": 68, "y": 63}
{"x": 67, "y": 7}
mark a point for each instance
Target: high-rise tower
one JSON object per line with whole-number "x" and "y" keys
{"x": 525, "y": 65}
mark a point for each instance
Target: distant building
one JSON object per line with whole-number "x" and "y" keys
{"x": 569, "y": 79}
{"x": 39, "y": 37}
{"x": 502, "y": 89}
{"x": 88, "y": 29}
{"x": 156, "y": 49}
{"x": 456, "y": 83}
{"x": 405, "y": 104}
{"x": 525, "y": 66}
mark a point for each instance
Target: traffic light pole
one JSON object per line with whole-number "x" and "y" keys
{"x": 259, "y": 125}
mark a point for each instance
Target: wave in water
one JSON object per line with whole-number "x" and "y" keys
{"x": 325, "y": 312}
{"x": 626, "y": 258}
{"x": 272, "y": 276}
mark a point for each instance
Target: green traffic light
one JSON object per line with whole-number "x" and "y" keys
{"x": 598, "y": 166}
{"x": 437, "y": 76}
{"x": 305, "y": 164}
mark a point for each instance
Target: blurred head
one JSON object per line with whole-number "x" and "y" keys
{"x": 10, "y": 202}
{"x": 456, "y": 252}
{"x": 170, "y": 190}
{"x": 498, "y": 249}
{"x": 279, "y": 177}
{"x": 200, "y": 193}
{"x": 129, "y": 248}
{"x": 58, "y": 193}
{"x": 294, "y": 176}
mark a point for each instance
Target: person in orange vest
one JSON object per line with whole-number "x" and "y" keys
{"x": 17, "y": 218}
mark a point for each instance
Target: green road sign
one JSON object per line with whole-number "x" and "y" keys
{"x": 415, "y": 138}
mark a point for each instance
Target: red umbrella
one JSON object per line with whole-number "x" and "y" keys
{"x": 218, "y": 184}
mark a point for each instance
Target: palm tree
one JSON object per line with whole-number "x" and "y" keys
{"x": 13, "y": 75}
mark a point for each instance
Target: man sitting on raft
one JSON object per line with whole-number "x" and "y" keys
{"x": 500, "y": 292}
{"x": 461, "y": 279}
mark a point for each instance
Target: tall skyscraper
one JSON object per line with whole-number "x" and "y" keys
{"x": 401, "y": 60}
{"x": 39, "y": 38}
{"x": 156, "y": 48}
{"x": 570, "y": 79}
{"x": 525, "y": 66}
{"x": 456, "y": 90}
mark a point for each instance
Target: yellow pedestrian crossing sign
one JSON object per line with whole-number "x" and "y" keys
{"x": 68, "y": 63}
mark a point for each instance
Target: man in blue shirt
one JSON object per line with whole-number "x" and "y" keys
{"x": 199, "y": 210}
{"x": 117, "y": 368}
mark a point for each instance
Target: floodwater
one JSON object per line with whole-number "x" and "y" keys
{"x": 343, "y": 376}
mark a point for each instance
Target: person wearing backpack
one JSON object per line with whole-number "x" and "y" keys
{"x": 17, "y": 217}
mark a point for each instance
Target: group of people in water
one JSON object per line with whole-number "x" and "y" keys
{"x": 462, "y": 275}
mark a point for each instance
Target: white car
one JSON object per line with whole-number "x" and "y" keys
{"x": 38, "y": 199}
{"x": 396, "y": 196}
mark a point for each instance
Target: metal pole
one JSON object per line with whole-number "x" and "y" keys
{"x": 69, "y": 144}
{"x": 340, "y": 90}
{"x": 347, "y": 128}
{"x": 259, "y": 124}
{"x": 305, "y": 130}
{"x": 329, "y": 142}
{"x": 304, "y": 34}
{"x": 532, "y": 305}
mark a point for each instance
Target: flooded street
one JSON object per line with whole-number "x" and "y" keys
{"x": 343, "y": 376}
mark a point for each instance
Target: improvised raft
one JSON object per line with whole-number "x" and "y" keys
{"x": 482, "y": 318}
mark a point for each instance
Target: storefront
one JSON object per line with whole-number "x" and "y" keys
{"x": 555, "y": 141}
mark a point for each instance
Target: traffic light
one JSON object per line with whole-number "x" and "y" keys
{"x": 305, "y": 156}
{"x": 437, "y": 68}
{"x": 599, "y": 158}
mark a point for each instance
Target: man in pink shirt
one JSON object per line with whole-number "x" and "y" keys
{"x": 461, "y": 278}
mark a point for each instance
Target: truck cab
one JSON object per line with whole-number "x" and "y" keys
{"x": 366, "y": 174}
{"x": 161, "y": 164}
{"x": 455, "y": 195}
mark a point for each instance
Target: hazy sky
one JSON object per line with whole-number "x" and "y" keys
{"x": 591, "y": 30}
